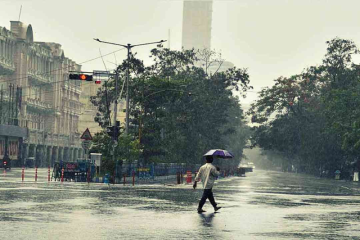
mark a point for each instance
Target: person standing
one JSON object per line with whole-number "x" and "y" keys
{"x": 207, "y": 174}
{"x": 356, "y": 170}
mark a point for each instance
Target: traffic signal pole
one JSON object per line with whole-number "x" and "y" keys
{"x": 128, "y": 47}
{"x": 115, "y": 123}
{"x": 116, "y": 102}
{"x": 127, "y": 90}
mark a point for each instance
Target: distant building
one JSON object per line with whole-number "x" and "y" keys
{"x": 40, "y": 106}
{"x": 196, "y": 32}
{"x": 89, "y": 111}
{"x": 196, "y": 28}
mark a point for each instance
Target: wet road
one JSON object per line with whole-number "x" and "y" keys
{"x": 262, "y": 205}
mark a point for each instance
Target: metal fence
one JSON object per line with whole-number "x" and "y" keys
{"x": 156, "y": 169}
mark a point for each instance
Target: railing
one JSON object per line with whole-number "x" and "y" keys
{"x": 71, "y": 105}
{"x": 46, "y": 78}
{"x": 8, "y": 63}
{"x": 38, "y": 103}
{"x": 41, "y": 137}
{"x": 72, "y": 87}
{"x": 159, "y": 169}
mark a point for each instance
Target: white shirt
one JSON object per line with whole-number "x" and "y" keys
{"x": 207, "y": 173}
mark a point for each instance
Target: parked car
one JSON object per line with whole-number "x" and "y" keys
{"x": 30, "y": 162}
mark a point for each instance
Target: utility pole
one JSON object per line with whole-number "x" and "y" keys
{"x": 116, "y": 102}
{"x": 115, "y": 124}
{"x": 128, "y": 47}
{"x": 127, "y": 90}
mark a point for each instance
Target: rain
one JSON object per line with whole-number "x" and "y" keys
{"x": 188, "y": 119}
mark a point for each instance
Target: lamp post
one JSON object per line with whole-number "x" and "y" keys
{"x": 128, "y": 47}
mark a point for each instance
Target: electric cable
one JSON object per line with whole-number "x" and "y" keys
{"x": 54, "y": 70}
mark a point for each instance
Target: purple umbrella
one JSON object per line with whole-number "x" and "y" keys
{"x": 219, "y": 153}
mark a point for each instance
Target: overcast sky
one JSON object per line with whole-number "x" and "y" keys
{"x": 271, "y": 38}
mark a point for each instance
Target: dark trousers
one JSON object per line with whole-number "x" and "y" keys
{"x": 207, "y": 194}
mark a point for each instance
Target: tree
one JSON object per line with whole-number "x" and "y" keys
{"x": 126, "y": 150}
{"x": 178, "y": 111}
{"x": 314, "y": 113}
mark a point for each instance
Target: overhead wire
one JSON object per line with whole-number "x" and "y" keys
{"x": 54, "y": 70}
{"x": 68, "y": 66}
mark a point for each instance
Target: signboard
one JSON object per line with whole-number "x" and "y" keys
{"x": 101, "y": 73}
{"x": 86, "y": 144}
{"x": 96, "y": 158}
{"x": 86, "y": 135}
{"x": 144, "y": 173}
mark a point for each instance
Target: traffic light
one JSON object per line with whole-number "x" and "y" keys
{"x": 113, "y": 131}
{"x": 83, "y": 77}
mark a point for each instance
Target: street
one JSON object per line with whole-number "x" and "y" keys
{"x": 262, "y": 205}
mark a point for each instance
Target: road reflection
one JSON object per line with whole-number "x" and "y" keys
{"x": 264, "y": 205}
{"x": 206, "y": 220}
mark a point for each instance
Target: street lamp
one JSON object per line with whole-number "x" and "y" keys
{"x": 128, "y": 47}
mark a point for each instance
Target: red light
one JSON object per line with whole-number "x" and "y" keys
{"x": 5, "y": 162}
{"x": 82, "y": 76}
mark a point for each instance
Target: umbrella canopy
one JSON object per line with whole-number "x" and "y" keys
{"x": 219, "y": 153}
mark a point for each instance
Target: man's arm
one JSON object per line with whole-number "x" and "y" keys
{"x": 198, "y": 175}
{"x": 197, "y": 178}
{"x": 215, "y": 171}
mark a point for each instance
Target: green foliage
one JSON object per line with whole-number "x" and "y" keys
{"x": 178, "y": 111}
{"x": 127, "y": 150}
{"x": 312, "y": 117}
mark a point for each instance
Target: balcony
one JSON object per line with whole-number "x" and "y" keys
{"x": 51, "y": 139}
{"x": 38, "y": 78}
{"x": 37, "y": 106}
{"x": 71, "y": 106}
{"x": 72, "y": 87}
{"x": 7, "y": 66}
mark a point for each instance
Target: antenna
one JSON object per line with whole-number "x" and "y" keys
{"x": 20, "y": 13}
{"x": 102, "y": 59}
{"x": 169, "y": 38}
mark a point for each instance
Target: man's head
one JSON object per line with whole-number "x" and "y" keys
{"x": 209, "y": 159}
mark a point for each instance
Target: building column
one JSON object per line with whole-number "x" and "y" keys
{"x": 32, "y": 150}
{"x": 20, "y": 161}
{"x": 6, "y": 152}
{"x": 25, "y": 153}
{"x": 54, "y": 155}
{"x": 75, "y": 154}
{"x": 60, "y": 154}
{"x": 48, "y": 155}
{"x": 66, "y": 154}
{"x": 82, "y": 153}
{"x": 39, "y": 155}
{"x": 71, "y": 154}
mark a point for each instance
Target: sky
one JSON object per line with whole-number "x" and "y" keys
{"x": 271, "y": 38}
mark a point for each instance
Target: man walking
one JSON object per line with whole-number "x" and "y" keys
{"x": 207, "y": 173}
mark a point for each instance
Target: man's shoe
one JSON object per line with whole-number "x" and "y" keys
{"x": 200, "y": 211}
{"x": 216, "y": 208}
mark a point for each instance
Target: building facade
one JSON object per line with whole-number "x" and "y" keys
{"x": 41, "y": 107}
{"x": 89, "y": 111}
